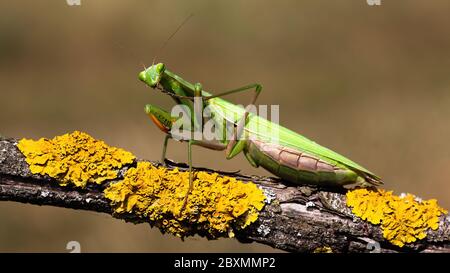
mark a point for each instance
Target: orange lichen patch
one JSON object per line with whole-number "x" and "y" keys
{"x": 404, "y": 219}
{"x": 216, "y": 205}
{"x": 324, "y": 249}
{"x": 74, "y": 158}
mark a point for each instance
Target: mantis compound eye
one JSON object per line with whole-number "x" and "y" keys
{"x": 160, "y": 117}
{"x": 142, "y": 76}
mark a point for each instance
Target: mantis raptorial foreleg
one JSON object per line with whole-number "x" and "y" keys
{"x": 237, "y": 131}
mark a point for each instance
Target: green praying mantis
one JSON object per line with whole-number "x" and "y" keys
{"x": 282, "y": 152}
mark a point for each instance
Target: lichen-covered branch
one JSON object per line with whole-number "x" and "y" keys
{"x": 298, "y": 219}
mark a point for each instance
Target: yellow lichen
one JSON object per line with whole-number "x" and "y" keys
{"x": 324, "y": 249}
{"x": 404, "y": 219}
{"x": 215, "y": 205}
{"x": 74, "y": 158}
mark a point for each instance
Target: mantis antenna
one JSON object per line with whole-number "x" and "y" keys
{"x": 170, "y": 37}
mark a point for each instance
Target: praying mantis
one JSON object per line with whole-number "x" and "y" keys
{"x": 282, "y": 152}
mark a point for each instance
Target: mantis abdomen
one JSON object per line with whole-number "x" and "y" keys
{"x": 297, "y": 166}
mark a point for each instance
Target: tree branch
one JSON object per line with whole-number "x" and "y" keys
{"x": 299, "y": 219}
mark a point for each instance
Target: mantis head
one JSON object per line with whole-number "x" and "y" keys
{"x": 160, "y": 117}
{"x": 152, "y": 75}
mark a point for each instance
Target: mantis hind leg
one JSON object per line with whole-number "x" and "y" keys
{"x": 237, "y": 144}
{"x": 256, "y": 86}
{"x": 237, "y": 132}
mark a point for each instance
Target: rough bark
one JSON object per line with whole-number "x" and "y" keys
{"x": 299, "y": 219}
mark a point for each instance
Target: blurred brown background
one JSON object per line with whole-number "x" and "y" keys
{"x": 369, "y": 82}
